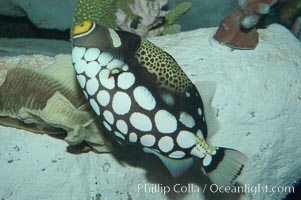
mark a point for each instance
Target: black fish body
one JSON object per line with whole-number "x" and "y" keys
{"x": 142, "y": 97}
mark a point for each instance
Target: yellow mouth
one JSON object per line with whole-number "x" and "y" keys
{"x": 78, "y": 29}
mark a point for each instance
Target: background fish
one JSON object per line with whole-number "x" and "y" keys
{"x": 142, "y": 97}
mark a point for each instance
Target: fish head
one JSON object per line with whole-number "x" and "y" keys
{"x": 120, "y": 43}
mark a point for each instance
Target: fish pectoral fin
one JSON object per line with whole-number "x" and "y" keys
{"x": 175, "y": 167}
{"x": 207, "y": 90}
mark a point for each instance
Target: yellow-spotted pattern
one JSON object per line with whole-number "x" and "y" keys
{"x": 169, "y": 74}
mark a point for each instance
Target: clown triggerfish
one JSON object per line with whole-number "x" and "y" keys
{"x": 142, "y": 97}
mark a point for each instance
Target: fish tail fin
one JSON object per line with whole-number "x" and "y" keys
{"x": 225, "y": 166}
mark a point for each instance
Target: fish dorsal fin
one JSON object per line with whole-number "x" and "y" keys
{"x": 207, "y": 90}
{"x": 176, "y": 167}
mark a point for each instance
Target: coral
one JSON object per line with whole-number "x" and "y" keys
{"x": 238, "y": 29}
{"x": 94, "y": 11}
{"x": 173, "y": 16}
{"x": 143, "y": 17}
{"x": 152, "y": 19}
{"x": 174, "y": 28}
{"x": 100, "y": 11}
{"x": 177, "y": 12}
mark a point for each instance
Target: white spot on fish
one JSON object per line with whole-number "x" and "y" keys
{"x": 115, "y": 71}
{"x": 108, "y": 116}
{"x": 121, "y": 103}
{"x": 80, "y": 66}
{"x": 125, "y": 67}
{"x": 200, "y": 134}
{"x": 147, "y": 140}
{"x": 92, "y": 54}
{"x": 119, "y": 135}
{"x": 126, "y": 80}
{"x": 186, "y": 139}
{"x": 81, "y": 80}
{"x": 103, "y": 98}
{"x": 207, "y": 160}
{"x": 122, "y": 126}
{"x": 177, "y": 154}
{"x": 198, "y": 151}
{"x": 187, "y": 120}
{"x": 165, "y": 122}
{"x": 166, "y": 144}
{"x": 77, "y": 53}
{"x": 144, "y": 98}
{"x": 141, "y": 122}
{"x": 187, "y": 94}
{"x": 94, "y": 106}
{"x": 133, "y": 137}
{"x": 92, "y": 86}
{"x": 105, "y": 80}
{"x": 107, "y": 126}
{"x": 200, "y": 111}
{"x": 92, "y": 69}
{"x": 168, "y": 99}
{"x": 104, "y": 58}
{"x": 86, "y": 95}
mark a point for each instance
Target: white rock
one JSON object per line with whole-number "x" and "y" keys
{"x": 258, "y": 100}
{"x": 14, "y": 47}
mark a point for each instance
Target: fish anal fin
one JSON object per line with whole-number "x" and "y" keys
{"x": 176, "y": 167}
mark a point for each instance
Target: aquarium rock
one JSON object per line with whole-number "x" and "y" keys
{"x": 151, "y": 19}
{"x": 29, "y": 46}
{"x": 257, "y": 102}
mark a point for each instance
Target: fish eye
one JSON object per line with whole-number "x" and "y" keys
{"x": 133, "y": 42}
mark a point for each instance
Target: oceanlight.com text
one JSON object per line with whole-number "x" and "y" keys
{"x": 213, "y": 188}
{"x": 251, "y": 189}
